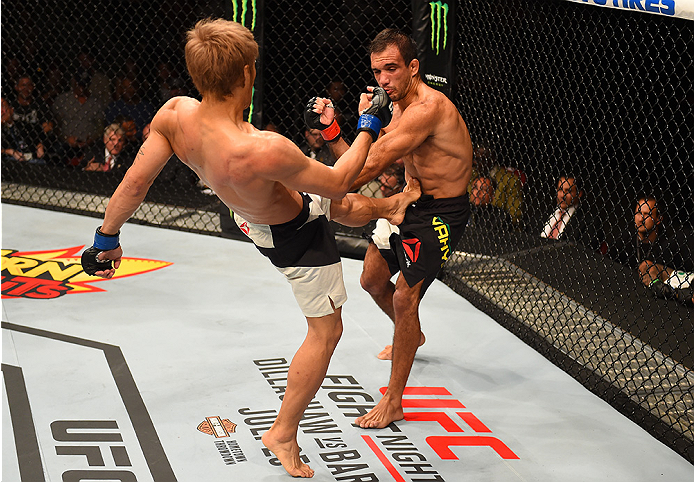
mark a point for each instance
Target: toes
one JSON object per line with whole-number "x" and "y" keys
{"x": 386, "y": 353}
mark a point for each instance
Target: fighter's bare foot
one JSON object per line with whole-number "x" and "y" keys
{"x": 381, "y": 415}
{"x": 409, "y": 195}
{"x": 288, "y": 455}
{"x": 387, "y": 352}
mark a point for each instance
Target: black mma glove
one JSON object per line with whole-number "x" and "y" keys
{"x": 685, "y": 296}
{"x": 90, "y": 257}
{"x": 662, "y": 290}
{"x": 377, "y": 115}
{"x": 330, "y": 132}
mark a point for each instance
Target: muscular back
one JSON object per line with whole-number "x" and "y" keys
{"x": 230, "y": 157}
{"x": 256, "y": 173}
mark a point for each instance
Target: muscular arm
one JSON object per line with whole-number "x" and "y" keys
{"x": 287, "y": 165}
{"x": 338, "y": 147}
{"x": 414, "y": 126}
{"x": 130, "y": 193}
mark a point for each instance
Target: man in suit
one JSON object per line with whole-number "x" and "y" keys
{"x": 568, "y": 221}
{"x": 665, "y": 256}
{"x": 111, "y": 155}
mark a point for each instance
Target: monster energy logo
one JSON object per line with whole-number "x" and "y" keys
{"x": 242, "y": 19}
{"x": 439, "y": 16}
{"x": 244, "y": 12}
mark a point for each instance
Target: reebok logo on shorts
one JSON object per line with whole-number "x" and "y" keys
{"x": 411, "y": 247}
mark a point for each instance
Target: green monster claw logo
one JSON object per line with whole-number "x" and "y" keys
{"x": 439, "y": 15}
{"x": 244, "y": 13}
{"x": 242, "y": 19}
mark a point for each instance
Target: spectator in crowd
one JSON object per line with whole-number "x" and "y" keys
{"x": 54, "y": 84}
{"x": 130, "y": 104}
{"x": 11, "y": 69}
{"x": 337, "y": 91}
{"x": 484, "y": 214}
{"x": 271, "y": 126}
{"x": 169, "y": 84}
{"x": 26, "y": 108}
{"x": 508, "y": 193}
{"x": 665, "y": 259}
{"x": 164, "y": 75}
{"x": 315, "y": 147}
{"x": 20, "y": 140}
{"x": 100, "y": 85}
{"x": 110, "y": 155}
{"x": 130, "y": 128}
{"x": 29, "y": 110}
{"x": 570, "y": 220}
{"x": 129, "y": 69}
{"x": 392, "y": 180}
{"x": 177, "y": 87}
{"x": 80, "y": 117}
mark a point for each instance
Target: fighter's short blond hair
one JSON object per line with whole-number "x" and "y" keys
{"x": 216, "y": 53}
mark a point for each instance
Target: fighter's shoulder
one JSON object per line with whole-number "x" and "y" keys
{"x": 265, "y": 146}
{"x": 177, "y": 105}
{"x": 428, "y": 105}
{"x": 435, "y": 99}
{"x": 171, "y": 112}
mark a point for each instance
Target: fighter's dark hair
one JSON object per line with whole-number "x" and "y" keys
{"x": 391, "y": 36}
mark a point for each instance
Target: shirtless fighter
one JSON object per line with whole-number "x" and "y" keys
{"x": 262, "y": 177}
{"x": 430, "y": 136}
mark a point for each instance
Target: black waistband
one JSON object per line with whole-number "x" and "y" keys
{"x": 427, "y": 200}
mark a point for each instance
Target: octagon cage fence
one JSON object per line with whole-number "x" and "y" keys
{"x": 551, "y": 91}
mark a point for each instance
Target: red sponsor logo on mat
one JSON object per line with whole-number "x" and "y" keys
{"x": 54, "y": 273}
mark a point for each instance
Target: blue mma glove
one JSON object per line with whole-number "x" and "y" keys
{"x": 90, "y": 257}
{"x": 377, "y": 115}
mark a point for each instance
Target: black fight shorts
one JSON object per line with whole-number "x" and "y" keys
{"x": 428, "y": 235}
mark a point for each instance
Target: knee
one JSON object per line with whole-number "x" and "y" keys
{"x": 336, "y": 334}
{"x": 372, "y": 283}
{"x": 332, "y": 336}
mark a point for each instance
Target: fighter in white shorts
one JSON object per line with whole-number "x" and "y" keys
{"x": 305, "y": 252}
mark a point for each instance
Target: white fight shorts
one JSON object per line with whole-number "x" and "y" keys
{"x": 305, "y": 252}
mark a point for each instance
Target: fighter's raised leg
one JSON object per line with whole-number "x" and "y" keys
{"x": 356, "y": 210}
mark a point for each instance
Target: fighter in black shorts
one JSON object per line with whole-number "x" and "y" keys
{"x": 429, "y": 136}
{"x": 426, "y": 238}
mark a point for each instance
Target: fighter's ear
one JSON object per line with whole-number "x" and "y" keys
{"x": 414, "y": 67}
{"x": 246, "y": 75}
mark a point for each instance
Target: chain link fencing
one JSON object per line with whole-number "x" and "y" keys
{"x": 549, "y": 89}
{"x": 555, "y": 91}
